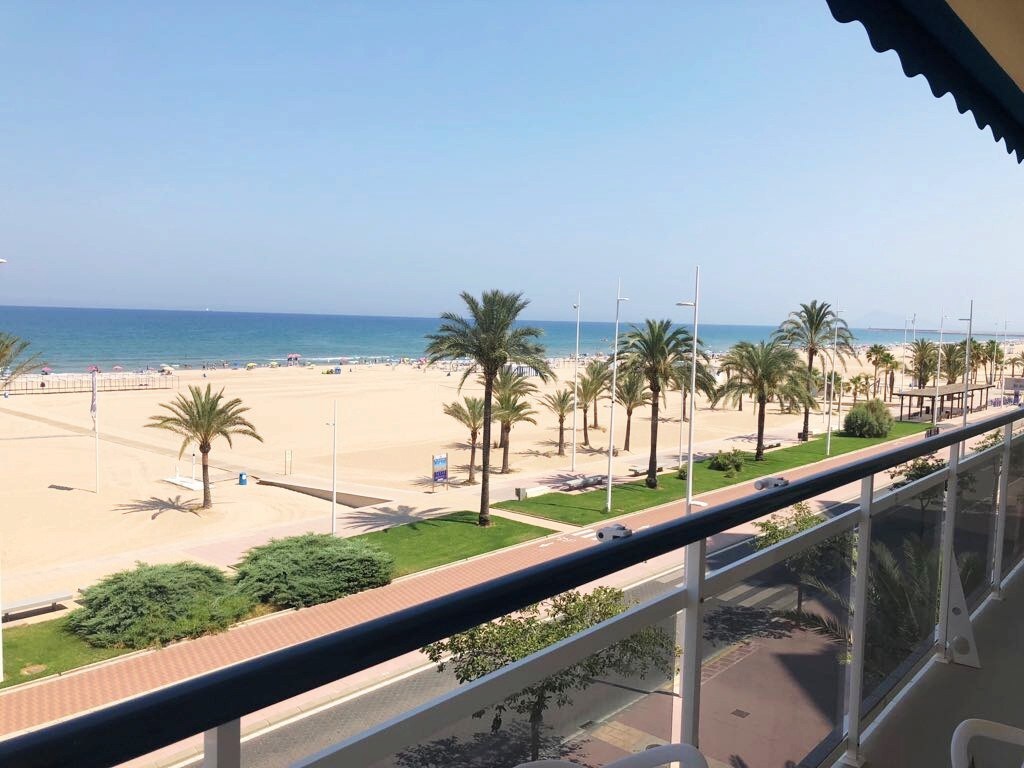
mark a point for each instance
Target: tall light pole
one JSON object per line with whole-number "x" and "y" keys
{"x": 611, "y": 419}
{"x": 1002, "y": 368}
{"x": 967, "y": 360}
{"x": 832, "y": 378}
{"x": 903, "y": 366}
{"x": 576, "y": 378}
{"x": 693, "y": 392}
{"x": 938, "y": 371}
{"x": 334, "y": 471}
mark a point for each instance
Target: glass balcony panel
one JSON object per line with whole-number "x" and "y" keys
{"x": 1013, "y": 534}
{"x": 903, "y": 590}
{"x": 773, "y": 688}
{"x": 977, "y": 496}
{"x": 606, "y": 706}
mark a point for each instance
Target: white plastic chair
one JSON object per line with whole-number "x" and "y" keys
{"x": 986, "y": 729}
{"x": 684, "y": 754}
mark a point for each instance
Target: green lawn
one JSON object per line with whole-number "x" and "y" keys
{"x": 440, "y": 540}
{"x": 586, "y": 508}
{"x": 48, "y": 646}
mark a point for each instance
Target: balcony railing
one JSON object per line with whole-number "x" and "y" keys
{"x": 879, "y": 582}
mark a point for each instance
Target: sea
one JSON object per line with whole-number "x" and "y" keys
{"x": 72, "y": 339}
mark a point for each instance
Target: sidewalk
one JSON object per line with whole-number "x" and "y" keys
{"x": 31, "y": 706}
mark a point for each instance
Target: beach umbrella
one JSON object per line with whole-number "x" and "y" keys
{"x": 250, "y": 366}
{"x": 118, "y": 368}
{"x": 93, "y": 369}
{"x": 46, "y": 370}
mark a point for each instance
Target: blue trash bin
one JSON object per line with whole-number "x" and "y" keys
{"x": 243, "y": 478}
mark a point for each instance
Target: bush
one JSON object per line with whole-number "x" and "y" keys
{"x": 681, "y": 472}
{"x": 155, "y": 604}
{"x": 870, "y": 419}
{"x": 724, "y": 462}
{"x": 310, "y": 569}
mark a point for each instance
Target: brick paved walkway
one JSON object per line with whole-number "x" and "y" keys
{"x": 34, "y": 705}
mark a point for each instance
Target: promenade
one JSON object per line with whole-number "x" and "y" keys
{"x": 33, "y": 705}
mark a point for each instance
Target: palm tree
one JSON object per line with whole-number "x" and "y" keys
{"x": 490, "y": 339}
{"x": 992, "y": 354}
{"x": 199, "y": 419}
{"x": 469, "y": 413}
{"x": 510, "y": 385}
{"x": 889, "y": 367}
{"x": 875, "y": 355}
{"x": 1013, "y": 362}
{"x": 768, "y": 370}
{"x": 953, "y": 362}
{"x": 597, "y": 379}
{"x": 560, "y": 404}
{"x": 861, "y": 385}
{"x": 812, "y": 329}
{"x": 631, "y": 393}
{"x": 655, "y": 350}
{"x": 922, "y": 359}
{"x": 706, "y": 383}
{"x": 13, "y": 363}
{"x": 509, "y": 410}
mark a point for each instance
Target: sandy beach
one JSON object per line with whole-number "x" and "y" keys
{"x": 57, "y": 533}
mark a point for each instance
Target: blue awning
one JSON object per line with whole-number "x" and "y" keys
{"x": 932, "y": 40}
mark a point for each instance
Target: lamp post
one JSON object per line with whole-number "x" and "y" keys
{"x": 967, "y": 361}
{"x": 576, "y": 378}
{"x": 938, "y": 372}
{"x": 693, "y": 393}
{"x": 611, "y": 419}
{"x": 832, "y": 378}
{"x": 334, "y": 471}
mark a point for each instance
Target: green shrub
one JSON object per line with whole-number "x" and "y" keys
{"x": 681, "y": 472}
{"x": 870, "y": 419}
{"x": 724, "y": 462}
{"x": 155, "y": 604}
{"x": 310, "y": 569}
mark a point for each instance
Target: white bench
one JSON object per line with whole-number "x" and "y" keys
{"x": 636, "y": 470}
{"x": 50, "y": 601}
{"x": 530, "y": 493}
{"x": 584, "y": 482}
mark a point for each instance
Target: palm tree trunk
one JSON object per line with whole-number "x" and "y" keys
{"x": 807, "y": 408}
{"x": 685, "y": 412}
{"x": 595, "y": 412}
{"x": 484, "y": 518}
{"x": 652, "y": 462}
{"x": 561, "y": 436}
{"x": 207, "y": 497}
{"x": 586, "y": 431}
{"x": 472, "y": 457}
{"x": 629, "y": 424}
{"x": 506, "y": 433}
{"x": 876, "y": 381}
{"x": 759, "y": 453}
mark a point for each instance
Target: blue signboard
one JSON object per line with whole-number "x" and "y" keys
{"x": 441, "y": 468}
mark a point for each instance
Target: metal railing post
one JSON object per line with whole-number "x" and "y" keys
{"x": 1000, "y": 531}
{"x": 693, "y": 631}
{"x": 858, "y": 623}
{"x": 222, "y": 746}
{"x": 947, "y": 562}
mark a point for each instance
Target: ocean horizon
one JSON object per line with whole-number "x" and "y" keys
{"x": 71, "y": 339}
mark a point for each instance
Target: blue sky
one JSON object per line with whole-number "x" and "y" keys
{"x": 376, "y": 158}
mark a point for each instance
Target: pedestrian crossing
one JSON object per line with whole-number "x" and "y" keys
{"x": 775, "y": 598}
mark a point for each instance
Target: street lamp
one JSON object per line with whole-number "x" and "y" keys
{"x": 903, "y": 367}
{"x": 967, "y": 360}
{"x": 693, "y": 393}
{"x": 334, "y": 470}
{"x": 576, "y": 378}
{"x": 611, "y": 419}
{"x": 938, "y": 370}
{"x": 832, "y": 377}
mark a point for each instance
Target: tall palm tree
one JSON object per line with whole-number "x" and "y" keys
{"x": 13, "y": 362}
{"x": 509, "y": 384}
{"x": 201, "y": 417}
{"x": 861, "y": 385}
{"x": 992, "y": 356}
{"x": 953, "y": 362}
{"x": 1013, "y": 362}
{"x": 768, "y": 370}
{"x": 490, "y": 340}
{"x": 706, "y": 383}
{"x": 875, "y": 355}
{"x": 631, "y": 393}
{"x": 812, "y": 329}
{"x": 509, "y": 410}
{"x": 922, "y": 359}
{"x": 469, "y": 413}
{"x": 655, "y": 350}
{"x": 596, "y": 381}
{"x": 559, "y": 403}
{"x": 889, "y": 367}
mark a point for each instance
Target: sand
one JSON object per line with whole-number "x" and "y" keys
{"x": 57, "y": 533}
